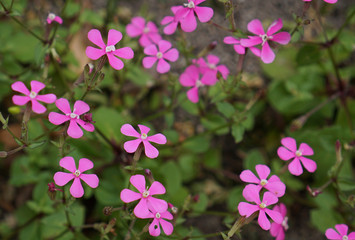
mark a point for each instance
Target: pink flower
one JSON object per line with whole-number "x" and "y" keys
{"x": 186, "y": 15}
{"x": 191, "y": 78}
{"x": 251, "y": 194}
{"x": 165, "y": 52}
{"x": 32, "y": 95}
{"x": 131, "y": 146}
{"x": 53, "y": 18}
{"x": 278, "y": 230}
{"x": 158, "y": 219}
{"x": 238, "y": 48}
{"x": 147, "y": 202}
{"x": 76, "y": 189}
{"x": 342, "y": 233}
{"x": 110, "y": 50}
{"x": 80, "y": 108}
{"x": 148, "y": 32}
{"x": 289, "y": 150}
{"x": 327, "y": 1}
{"x": 274, "y": 183}
{"x": 210, "y": 68}
{"x": 171, "y": 22}
{"x": 255, "y": 26}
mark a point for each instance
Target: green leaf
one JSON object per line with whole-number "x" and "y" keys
{"x": 197, "y": 144}
{"x": 172, "y": 176}
{"x": 238, "y": 132}
{"x": 253, "y": 158}
{"x": 308, "y": 54}
{"x": 235, "y": 197}
{"x": 226, "y": 109}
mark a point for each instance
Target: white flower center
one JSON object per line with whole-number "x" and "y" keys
{"x": 298, "y": 153}
{"x": 157, "y": 215}
{"x": 51, "y": 16}
{"x": 262, "y": 205}
{"x": 199, "y": 83}
{"x": 190, "y": 4}
{"x": 77, "y": 173}
{"x": 33, "y": 94}
{"x": 159, "y": 55}
{"x": 265, "y": 38}
{"x": 211, "y": 65}
{"x": 72, "y": 115}
{"x": 263, "y": 182}
{"x": 174, "y": 209}
{"x": 110, "y": 48}
{"x": 145, "y": 193}
{"x": 146, "y": 30}
{"x": 285, "y": 224}
{"x": 144, "y": 136}
{"x": 345, "y": 237}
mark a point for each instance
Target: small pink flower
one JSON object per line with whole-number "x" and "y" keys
{"x": 158, "y": 219}
{"x": 251, "y": 194}
{"x": 210, "y": 68}
{"x": 273, "y": 184}
{"x": 53, "y": 18}
{"x": 110, "y": 50}
{"x": 80, "y": 108}
{"x": 171, "y": 22}
{"x": 238, "y": 48}
{"x": 165, "y": 52}
{"x": 147, "y": 202}
{"x": 255, "y": 26}
{"x": 32, "y": 95}
{"x": 289, "y": 150}
{"x": 131, "y": 146}
{"x": 76, "y": 189}
{"x": 191, "y": 78}
{"x": 148, "y": 32}
{"x": 342, "y": 233}
{"x": 186, "y": 15}
{"x": 278, "y": 230}
{"x": 327, "y": 1}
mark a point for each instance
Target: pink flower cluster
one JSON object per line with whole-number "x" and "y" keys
{"x": 149, "y": 206}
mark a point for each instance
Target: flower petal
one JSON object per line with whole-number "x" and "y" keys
{"x": 58, "y": 19}
{"x": 85, "y": 164}
{"x": 289, "y": 143}
{"x": 74, "y": 130}
{"x": 249, "y": 177}
{"x": 231, "y": 40}
{"x": 192, "y": 94}
{"x": 167, "y": 226}
{"x": 275, "y": 229}
{"x": 154, "y": 228}
{"x": 151, "y": 50}
{"x": 172, "y": 55}
{"x": 267, "y": 55}
{"x": 114, "y": 37}
{"x": 68, "y": 163}
{"x": 80, "y": 107}
{"x": 76, "y": 189}
{"x": 275, "y": 186}
{"x": 305, "y": 149}
{"x": 223, "y": 70}
{"x": 131, "y": 146}
{"x": 138, "y": 181}
{"x": 63, "y": 105}
{"x": 128, "y": 196}
{"x": 143, "y": 129}
{"x": 263, "y": 221}
{"x": 163, "y": 66}
{"x": 62, "y": 178}
{"x": 282, "y": 38}
{"x": 156, "y": 188}
{"x": 47, "y": 98}
{"x": 247, "y": 209}
{"x": 308, "y": 164}
{"x": 159, "y": 205}
{"x": 95, "y": 37}
{"x": 87, "y": 126}
{"x": 295, "y": 167}
{"x": 274, "y": 27}
{"x": 90, "y": 179}
{"x": 94, "y": 53}
{"x": 128, "y": 130}
{"x": 263, "y": 171}
{"x": 342, "y": 229}
{"x": 157, "y": 138}
{"x": 256, "y": 27}
{"x": 20, "y": 100}
{"x": 115, "y": 62}
{"x": 269, "y": 198}
{"x": 57, "y": 118}
{"x": 148, "y": 62}
{"x": 239, "y": 49}
{"x": 332, "y": 234}
{"x": 125, "y": 53}
{"x": 20, "y": 87}
{"x": 251, "y": 41}
{"x": 274, "y": 215}
{"x": 170, "y": 28}
{"x": 150, "y": 150}
{"x": 163, "y": 46}
{"x": 285, "y": 154}
{"x": 251, "y": 193}
{"x": 37, "y": 86}
{"x": 37, "y": 107}
{"x": 135, "y": 28}
{"x": 204, "y": 14}
{"x": 188, "y": 24}
{"x": 141, "y": 209}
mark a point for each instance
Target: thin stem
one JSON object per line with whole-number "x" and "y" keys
{"x": 347, "y": 21}
{"x": 26, "y": 118}
{"x": 131, "y": 225}
{"x": 90, "y": 84}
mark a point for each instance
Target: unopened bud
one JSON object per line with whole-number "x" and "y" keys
{"x": 3, "y": 154}
{"x": 174, "y": 209}
{"x": 149, "y": 175}
{"x": 107, "y": 210}
{"x": 196, "y": 198}
{"x": 14, "y": 110}
{"x": 212, "y": 45}
{"x": 52, "y": 190}
{"x": 313, "y": 192}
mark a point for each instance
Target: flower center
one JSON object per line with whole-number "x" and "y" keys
{"x": 174, "y": 209}
{"x": 262, "y": 205}
{"x": 77, "y": 173}
{"x": 33, "y": 94}
{"x": 157, "y": 215}
{"x": 144, "y": 136}
{"x": 263, "y": 182}
{"x": 345, "y": 237}
{"x": 190, "y": 4}
{"x": 159, "y": 55}
{"x": 284, "y": 223}
{"x": 51, "y": 16}
{"x": 73, "y": 115}
{"x": 110, "y": 48}
{"x": 265, "y": 38}
{"x": 199, "y": 83}
{"x": 211, "y": 65}
{"x": 146, "y": 30}
{"x": 145, "y": 194}
{"x": 298, "y": 153}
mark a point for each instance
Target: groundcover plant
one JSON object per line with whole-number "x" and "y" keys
{"x": 183, "y": 119}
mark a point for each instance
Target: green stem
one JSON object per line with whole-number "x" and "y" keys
{"x": 347, "y": 21}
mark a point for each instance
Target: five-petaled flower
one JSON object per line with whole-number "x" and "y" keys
{"x": 76, "y": 189}
{"x": 54, "y": 18}
{"x": 132, "y": 145}
{"x": 342, "y": 233}
{"x": 161, "y": 54}
{"x": 148, "y": 32}
{"x": 273, "y": 184}
{"x": 289, "y": 151}
{"x": 32, "y": 95}
{"x": 80, "y": 108}
{"x": 278, "y": 230}
{"x": 147, "y": 202}
{"x": 210, "y": 68}
{"x": 158, "y": 219}
{"x": 255, "y": 26}
{"x": 109, "y": 50}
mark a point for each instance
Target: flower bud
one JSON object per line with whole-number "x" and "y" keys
{"x": 14, "y": 110}
{"x": 3, "y": 154}
{"x": 107, "y": 210}
{"x": 313, "y": 192}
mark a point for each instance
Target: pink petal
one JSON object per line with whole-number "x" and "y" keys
{"x": 149, "y": 150}
{"x": 76, "y": 189}
{"x": 204, "y": 14}
{"x": 94, "y": 53}
{"x": 192, "y": 94}
{"x": 49, "y": 21}
{"x": 255, "y": 51}
{"x": 269, "y": 198}
{"x": 332, "y": 234}
{"x": 74, "y": 130}
{"x": 247, "y": 209}
{"x": 249, "y": 177}
{"x": 267, "y": 55}
{"x": 57, "y": 118}
{"x": 170, "y": 28}
{"x": 95, "y": 37}
{"x": 275, "y": 186}
{"x": 90, "y": 179}
{"x": 156, "y": 188}
{"x": 125, "y": 53}
{"x": 239, "y": 49}
{"x": 275, "y": 229}
{"x": 256, "y": 27}
{"x": 37, "y": 86}
{"x": 308, "y": 164}
{"x": 212, "y": 59}
{"x": 163, "y": 46}
{"x": 68, "y": 163}
{"x": 85, "y": 164}
{"x": 342, "y": 229}
{"x": 263, "y": 171}
{"x": 224, "y": 71}
{"x": 20, "y": 87}
{"x": 282, "y": 38}
{"x": 141, "y": 209}
{"x": 58, "y": 19}
{"x": 182, "y": 12}
{"x": 187, "y": 80}
{"x": 159, "y": 205}
{"x": 154, "y": 37}
{"x": 143, "y": 129}
{"x": 231, "y": 40}
{"x": 209, "y": 77}
{"x": 128, "y": 130}
{"x": 136, "y": 27}
{"x": 163, "y": 66}
{"x": 251, "y": 193}
{"x": 167, "y": 215}
{"x": 351, "y": 236}
{"x": 251, "y": 41}
{"x": 331, "y": 1}
{"x": 148, "y": 62}
{"x": 157, "y": 138}
{"x": 128, "y": 196}
{"x": 285, "y": 154}
{"x": 115, "y": 62}
{"x": 87, "y": 126}
{"x": 37, "y": 107}
{"x": 151, "y": 50}
{"x": 131, "y": 146}
{"x": 152, "y": 28}
{"x": 63, "y": 105}
{"x": 114, "y": 37}
{"x": 61, "y": 178}
{"x": 295, "y": 167}
{"x": 189, "y": 24}
{"x": 274, "y": 27}
{"x": 274, "y": 215}
{"x": 167, "y": 227}
{"x": 154, "y": 228}
{"x": 283, "y": 209}
{"x": 80, "y": 107}
{"x": 305, "y": 149}
{"x": 20, "y": 100}
{"x": 47, "y": 98}
{"x": 172, "y": 55}
{"x": 138, "y": 181}
{"x": 166, "y": 20}
{"x": 289, "y": 143}
{"x": 263, "y": 221}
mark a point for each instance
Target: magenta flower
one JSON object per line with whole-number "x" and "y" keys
{"x": 278, "y": 230}
{"x": 273, "y": 184}
{"x": 131, "y": 146}
{"x": 32, "y": 95}
{"x": 158, "y": 219}
{"x": 171, "y": 22}
{"x": 186, "y": 15}
{"x": 210, "y": 68}
{"x": 147, "y": 202}
{"x": 53, "y": 18}
{"x": 164, "y": 53}
{"x": 289, "y": 150}
{"x": 80, "y": 108}
{"x": 251, "y": 194}
{"x": 76, "y": 189}
{"x": 342, "y": 233}
{"x": 110, "y": 50}
{"x": 255, "y": 26}
{"x": 191, "y": 78}
{"x": 238, "y": 48}
{"x": 148, "y": 32}
{"x": 327, "y": 1}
